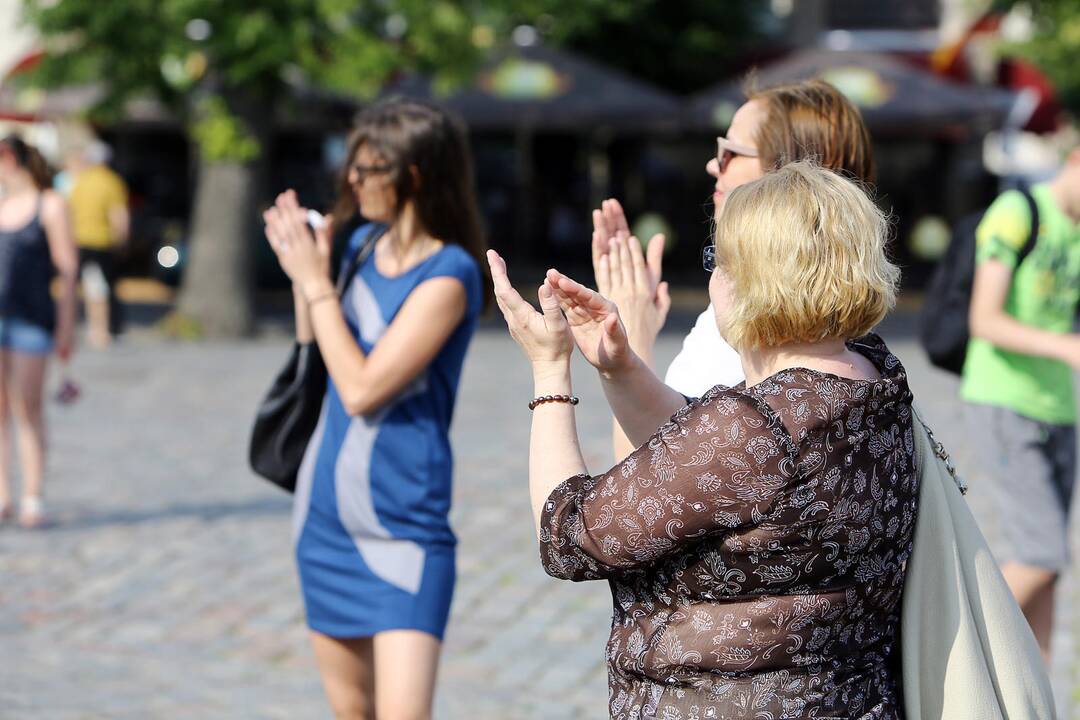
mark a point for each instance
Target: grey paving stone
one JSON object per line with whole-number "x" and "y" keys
{"x": 167, "y": 588}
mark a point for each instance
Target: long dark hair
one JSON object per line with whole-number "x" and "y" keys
{"x": 27, "y": 157}
{"x": 411, "y": 134}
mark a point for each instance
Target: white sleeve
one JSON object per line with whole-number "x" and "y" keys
{"x": 706, "y": 360}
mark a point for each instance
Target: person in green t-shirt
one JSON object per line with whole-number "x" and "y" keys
{"x": 1017, "y": 382}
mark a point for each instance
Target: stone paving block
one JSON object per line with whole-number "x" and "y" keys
{"x": 168, "y": 590}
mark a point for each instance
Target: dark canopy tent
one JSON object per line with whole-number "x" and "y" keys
{"x": 539, "y": 87}
{"x": 895, "y": 97}
{"x": 544, "y": 122}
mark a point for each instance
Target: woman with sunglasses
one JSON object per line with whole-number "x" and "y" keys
{"x": 35, "y": 241}
{"x": 757, "y": 540}
{"x": 809, "y": 120}
{"x": 374, "y": 546}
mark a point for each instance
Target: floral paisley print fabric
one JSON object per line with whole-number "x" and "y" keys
{"x": 755, "y": 547}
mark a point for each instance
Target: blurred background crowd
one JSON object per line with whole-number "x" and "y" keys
{"x": 207, "y": 109}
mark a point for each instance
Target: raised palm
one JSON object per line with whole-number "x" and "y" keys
{"x": 594, "y": 323}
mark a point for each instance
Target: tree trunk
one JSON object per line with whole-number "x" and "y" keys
{"x": 217, "y": 296}
{"x": 218, "y": 285}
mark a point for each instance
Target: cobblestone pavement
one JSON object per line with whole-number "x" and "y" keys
{"x": 167, "y": 587}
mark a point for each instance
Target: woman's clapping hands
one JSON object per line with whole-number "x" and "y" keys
{"x": 544, "y": 336}
{"x": 570, "y": 314}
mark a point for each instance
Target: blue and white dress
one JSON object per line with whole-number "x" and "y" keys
{"x": 373, "y": 541}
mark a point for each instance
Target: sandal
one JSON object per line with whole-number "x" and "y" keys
{"x": 31, "y": 512}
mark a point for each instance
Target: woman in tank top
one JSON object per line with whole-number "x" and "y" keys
{"x": 34, "y": 239}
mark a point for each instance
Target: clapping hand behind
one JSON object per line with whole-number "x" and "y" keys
{"x": 628, "y": 277}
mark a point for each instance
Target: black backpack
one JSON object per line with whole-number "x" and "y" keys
{"x": 943, "y": 327}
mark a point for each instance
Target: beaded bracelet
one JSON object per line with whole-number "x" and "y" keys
{"x": 572, "y": 399}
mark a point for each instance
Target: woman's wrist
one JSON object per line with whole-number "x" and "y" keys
{"x": 551, "y": 377}
{"x": 315, "y": 288}
{"x": 618, "y": 372}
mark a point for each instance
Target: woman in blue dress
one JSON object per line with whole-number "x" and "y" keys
{"x": 373, "y": 543}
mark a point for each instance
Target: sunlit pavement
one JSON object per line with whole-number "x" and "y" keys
{"x": 166, "y": 588}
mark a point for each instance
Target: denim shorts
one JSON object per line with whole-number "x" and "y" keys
{"x": 24, "y": 337}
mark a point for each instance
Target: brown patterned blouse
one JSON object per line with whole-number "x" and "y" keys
{"x": 755, "y": 548}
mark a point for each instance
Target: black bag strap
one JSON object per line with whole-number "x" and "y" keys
{"x": 1033, "y": 234}
{"x": 349, "y": 268}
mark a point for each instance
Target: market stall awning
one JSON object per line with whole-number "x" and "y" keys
{"x": 545, "y": 89}
{"x": 894, "y": 96}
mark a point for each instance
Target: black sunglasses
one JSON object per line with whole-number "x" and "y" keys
{"x": 708, "y": 257}
{"x": 362, "y": 171}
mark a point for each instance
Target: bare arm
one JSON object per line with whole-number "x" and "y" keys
{"x": 304, "y": 332}
{"x": 554, "y": 451}
{"x": 366, "y": 382}
{"x": 989, "y": 321}
{"x": 65, "y": 258}
{"x": 640, "y": 401}
{"x": 630, "y": 279}
{"x": 120, "y": 224}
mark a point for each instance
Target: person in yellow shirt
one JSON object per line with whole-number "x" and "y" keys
{"x": 100, "y": 221}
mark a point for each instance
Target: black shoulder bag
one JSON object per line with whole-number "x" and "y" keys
{"x": 287, "y": 416}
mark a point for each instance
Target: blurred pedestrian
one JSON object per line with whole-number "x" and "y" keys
{"x": 35, "y": 239}
{"x": 1017, "y": 383}
{"x": 806, "y": 120}
{"x": 374, "y": 546}
{"x": 756, "y": 541}
{"x": 101, "y": 223}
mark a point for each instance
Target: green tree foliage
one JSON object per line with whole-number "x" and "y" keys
{"x": 683, "y": 46}
{"x": 1055, "y": 47}
{"x": 184, "y": 50}
{"x": 226, "y": 68}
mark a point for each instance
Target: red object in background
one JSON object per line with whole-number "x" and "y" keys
{"x": 1012, "y": 74}
{"x": 1018, "y": 74}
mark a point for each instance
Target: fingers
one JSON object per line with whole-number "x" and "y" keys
{"x": 663, "y": 299}
{"x": 654, "y": 256}
{"x": 615, "y": 274}
{"x": 616, "y": 217}
{"x": 508, "y": 299}
{"x": 601, "y": 233}
{"x": 626, "y": 263}
{"x": 549, "y": 305}
{"x": 637, "y": 262}
{"x": 573, "y": 295}
{"x": 600, "y": 249}
{"x": 603, "y": 275}
{"x": 273, "y": 230}
{"x": 293, "y": 218}
{"x": 324, "y": 236}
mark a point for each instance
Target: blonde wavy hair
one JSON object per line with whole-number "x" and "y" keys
{"x": 804, "y": 250}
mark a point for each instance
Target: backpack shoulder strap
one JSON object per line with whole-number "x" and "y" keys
{"x": 1033, "y": 234}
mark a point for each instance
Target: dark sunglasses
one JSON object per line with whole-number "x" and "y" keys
{"x": 726, "y": 150}
{"x": 708, "y": 258}
{"x": 362, "y": 171}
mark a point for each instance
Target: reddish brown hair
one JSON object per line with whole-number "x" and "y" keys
{"x": 812, "y": 120}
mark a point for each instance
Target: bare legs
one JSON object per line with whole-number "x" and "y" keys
{"x": 1033, "y": 587}
{"x": 388, "y": 677}
{"x": 22, "y": 379}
